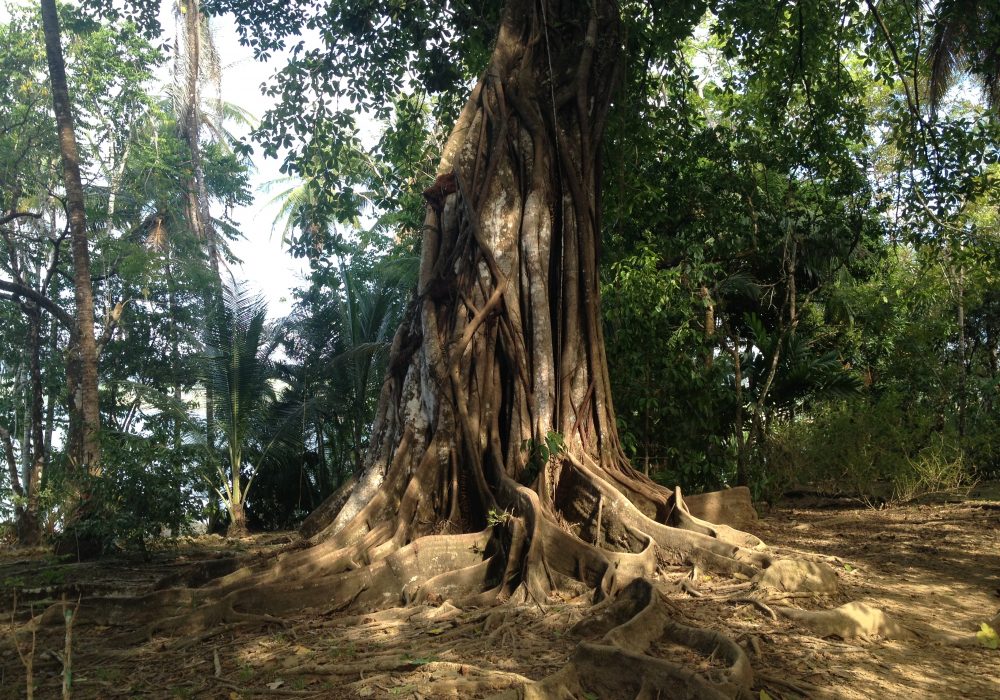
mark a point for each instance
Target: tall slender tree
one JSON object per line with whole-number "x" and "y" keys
{"x": 196, "y": 58}
{"x": 85, "y": 442}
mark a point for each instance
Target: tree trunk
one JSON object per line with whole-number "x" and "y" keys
{"x": 322, "y": 475}
{"x": 197, "y": 197}
{"x": 742, "y": 476}
{"x": 28, "y": 524}
{"x": 238, "y": 519}
{"x": 197, "y": 209}
{"x": 10, "y": 459}
{"x": 963, "y": 365}
{"x": 503, "y": 346}
{"x": 53, "y": 394}
{"x": 499, "y": 363}
{"x": 173, "y": 312}
{"x": 85, "y": 444}
{"x": 708, "y": 333}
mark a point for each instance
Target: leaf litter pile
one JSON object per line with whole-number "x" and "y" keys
{"x": 900, "y": 602}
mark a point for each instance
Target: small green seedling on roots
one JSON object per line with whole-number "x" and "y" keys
{"x": 495, "y": 517}
{"x": 539, "y": 454}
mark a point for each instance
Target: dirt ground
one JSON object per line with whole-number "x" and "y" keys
{"x": 931, "y": 566}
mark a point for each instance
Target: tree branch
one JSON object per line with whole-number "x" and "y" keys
{"x": 110, "y": 325}
{"x": 54, "y": 261}
{"x": 7, "y": 218}
{"x": 20, "y": 290}
{"x": 8, "y": 450}
{"x": 900, "y": 68}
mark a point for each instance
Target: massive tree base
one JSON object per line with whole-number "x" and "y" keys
{"x": 592, "y": 542}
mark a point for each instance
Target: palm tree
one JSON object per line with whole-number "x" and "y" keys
{"x": 238, "y": 369}
{"x": 368, "y": 314}
{"x": 966, "y": 36}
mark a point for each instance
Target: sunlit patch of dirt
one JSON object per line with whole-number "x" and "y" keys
{"x": 932, "y": 567}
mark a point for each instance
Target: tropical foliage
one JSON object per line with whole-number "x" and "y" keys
{"x": 800, "y": 249}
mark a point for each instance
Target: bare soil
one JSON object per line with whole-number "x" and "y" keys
{"x": 934, "y": 566}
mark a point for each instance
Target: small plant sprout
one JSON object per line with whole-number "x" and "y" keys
{"x": 495, "y": 517}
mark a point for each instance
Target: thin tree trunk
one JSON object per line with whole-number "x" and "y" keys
{"x": 742, "y": 476}
{"x": 322, "y": 476}
{"x": 648, "y": 438}
{"x": 709, "y": 330}
{"x": 963, "y": 369}
{"x": 28, "y": 527}
{"x": 53, "y": 394}
{"x": 173, "y": 312}
{"x": 199, "y": 217}
{"x": 10, "y": 460}
{"x": 84, "y": 400}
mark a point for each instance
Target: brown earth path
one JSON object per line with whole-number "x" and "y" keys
{"x": 933, "y": 566}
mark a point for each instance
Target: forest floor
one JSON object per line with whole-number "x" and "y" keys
{"x": 934, "y": 565}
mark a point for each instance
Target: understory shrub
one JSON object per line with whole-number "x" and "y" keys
{"x": 870, "y": 447}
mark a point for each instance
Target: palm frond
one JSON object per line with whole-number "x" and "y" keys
{"x": 966, "y": 37}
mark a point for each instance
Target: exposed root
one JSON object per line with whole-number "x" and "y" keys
{"x": 850, "y": 621}
{"x": 760, "y": 605}
{"x": 627, "y": 662}
{"x": 449, "y": 679}
{"x": 794, "y": 576}
{"x": 805, "y": 690}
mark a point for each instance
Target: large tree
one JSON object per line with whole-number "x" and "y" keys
{"x": 502, "y": 350}
{"x": 495, "y": 471}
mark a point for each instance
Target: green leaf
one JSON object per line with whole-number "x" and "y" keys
{"x": 988, "y": 637}
{"x": 764, "y": 695}
{"x": 418, "y": 661}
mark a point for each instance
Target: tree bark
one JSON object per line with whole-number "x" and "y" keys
{"x": 322, "y": 475}
{"x": 238, "y": 520}
{"x": 84, "y": 400}
{"x": 500, "y": 362}
{"x": 197, "y": 196}
{"x": 503, "y": 346}
{"x": 198, "y": 214}
{"x": 28, "y": 524}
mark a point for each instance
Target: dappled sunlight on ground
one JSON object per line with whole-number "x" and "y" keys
{"x": 929, "y": 567}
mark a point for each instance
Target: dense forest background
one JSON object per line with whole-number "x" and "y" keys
{"x": 798, "y": 265}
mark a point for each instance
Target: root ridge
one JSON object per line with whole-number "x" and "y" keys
{"x": 626, "y": 661}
